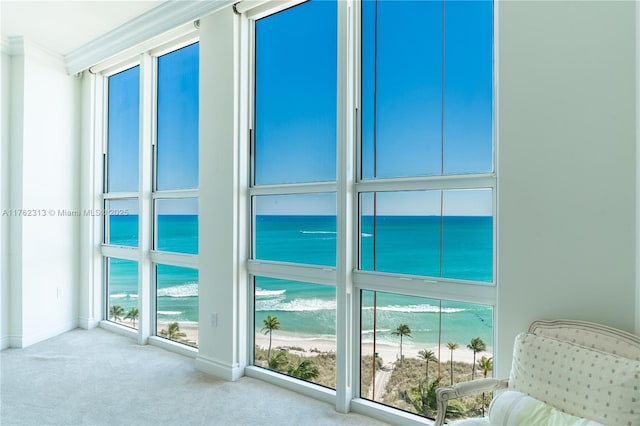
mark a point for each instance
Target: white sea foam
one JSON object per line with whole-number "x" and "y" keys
{"x": 299, "y": 305}
{"x": 184, "y": 290}
{"x": 415, "y": 308}
{"x": 364, "y": 234}
{"x": 379, "y": 330}
{"x": 123, "y": 296}
{"x": 260, "y": 292}
{"x": 169, "y": 312}
{"x": 296, "y": 305}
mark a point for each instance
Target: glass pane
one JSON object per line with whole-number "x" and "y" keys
{"x": 467, "y": 235}
{"x": 405, "y": 232}
{"x": 401, "y": 88}
{"x": 123, "y": 131}
{"x": 177, "y": 225}
{"x": 400, "y": 232}
{"x": 466, "y": 352}
{"x": 295, "y": 95}
{"x": 122, "y": 288}
{"x": 405, "y": 355}
{"x": 121, "y": 217}
{"x": 295, "y": 329}
{"x": 427, "y": 79}
{"x": 296, "y": 228}
{"x": 177, "y": 304}
{"x": 468, "y": 79}
{"x": 177, "y": 149}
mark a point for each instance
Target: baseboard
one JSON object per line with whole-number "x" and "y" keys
{"x": 88, "y": 323}
{"x": 219, "y": 369}
{"x": 44, "y": 334}
{"x": 5, "y": 342}
{"x": 15, "y": 342}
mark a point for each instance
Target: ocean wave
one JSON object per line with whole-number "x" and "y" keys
{"x": 260, "y": 292}
{"x": 415, "y": 309}
{"x": 169, "y": 312}
{"x": 184, "y": 290}
{"x": 364, "y": 234}
{"x": 318, "y": 232}
{"x": 123, "y": 296}
{"x": 296, "y": 305}
{"x": 379, "y": 330}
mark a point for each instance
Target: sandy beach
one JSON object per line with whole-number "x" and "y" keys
{"x": 189, "y": 328}
{"x": 388, "y": 353}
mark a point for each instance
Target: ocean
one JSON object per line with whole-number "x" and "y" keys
{"x": 403, "y": 244}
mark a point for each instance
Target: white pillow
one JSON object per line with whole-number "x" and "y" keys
{"x": 514, "y": 408}
{"x": 577, "y": 380}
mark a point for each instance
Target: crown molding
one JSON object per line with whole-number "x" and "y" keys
{"x": 19, "y": 46}
{"x": 5, "y": 45}
{"x": 149, "y": 25}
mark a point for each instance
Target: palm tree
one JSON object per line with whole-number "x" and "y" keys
{"x": 305, "y": 370}
{"x": 452, "y": 347}
{"x": 402, "y": 330}
{"x": 132, "y": 315}
{"x": 279, "y": 360}
{"x": 485, "y": 364}
{"x": 424, "y": 399}
{"x": 116, "y": 312}
{"x": 427, "y": 356}
{"x": 476, "y": 345}
{"x": 173, "y": 332}
{"x": 270, "y": 323}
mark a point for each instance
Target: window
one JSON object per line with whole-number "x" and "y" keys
{"x": 425, "y": 200}
{"x": 121, "y": 195}
{"x": 294, "y": 192}
{"x": 151, "y": 218}
{"x": 122, "y": 276}
{"x": 386, "y": 231}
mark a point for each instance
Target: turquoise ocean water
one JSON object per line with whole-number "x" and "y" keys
{"x": 410, "y": 245}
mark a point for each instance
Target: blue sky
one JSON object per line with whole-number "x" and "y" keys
{"x": 123, "y": 131}
{"x": 177, "y": 130}
{"x": 433, "y": 112}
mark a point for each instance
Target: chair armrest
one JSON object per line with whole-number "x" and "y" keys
{"x": 473, "y": 387}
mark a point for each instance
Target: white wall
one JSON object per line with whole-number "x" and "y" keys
{"x": 5, "y": 117}
{"x": 44, "y": 181}
{"x": 222, "y": 283}
{"x": 566, "y": 165}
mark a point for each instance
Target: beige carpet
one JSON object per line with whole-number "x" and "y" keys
{"x": 96, "y": 377}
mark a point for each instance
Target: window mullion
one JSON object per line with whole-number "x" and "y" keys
{"x": 345, "y": 206}
{"x": 145, "y": 268}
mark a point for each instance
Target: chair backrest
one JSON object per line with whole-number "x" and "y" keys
{"x": 571, "y": 365}
{"x": 595, "y": 336}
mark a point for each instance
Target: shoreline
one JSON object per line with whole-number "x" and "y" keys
{"x": 189, "y": 328}
{"x": 388, "y": 352}
{"x": 314, "y": 345}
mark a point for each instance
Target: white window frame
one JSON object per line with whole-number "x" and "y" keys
{"x": 147, "y": 257}
{"x": 347, "y": 279}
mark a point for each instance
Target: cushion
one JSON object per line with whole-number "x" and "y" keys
{"x": 516, "y": 408}
{"x": 479, "y": 421}
{"x": 577, "y": 380}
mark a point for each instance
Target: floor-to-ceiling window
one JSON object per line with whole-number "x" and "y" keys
{"x": 420, "y": 195}
{"x": 151, "y": 194}
{"x": 175, "y": 196}
{"x": 293, "y": 192}
{"x": 426, "y": 191}
{"x": 121, "y": 196}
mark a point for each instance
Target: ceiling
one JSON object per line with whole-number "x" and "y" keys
{"x": 64, "y": 26}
